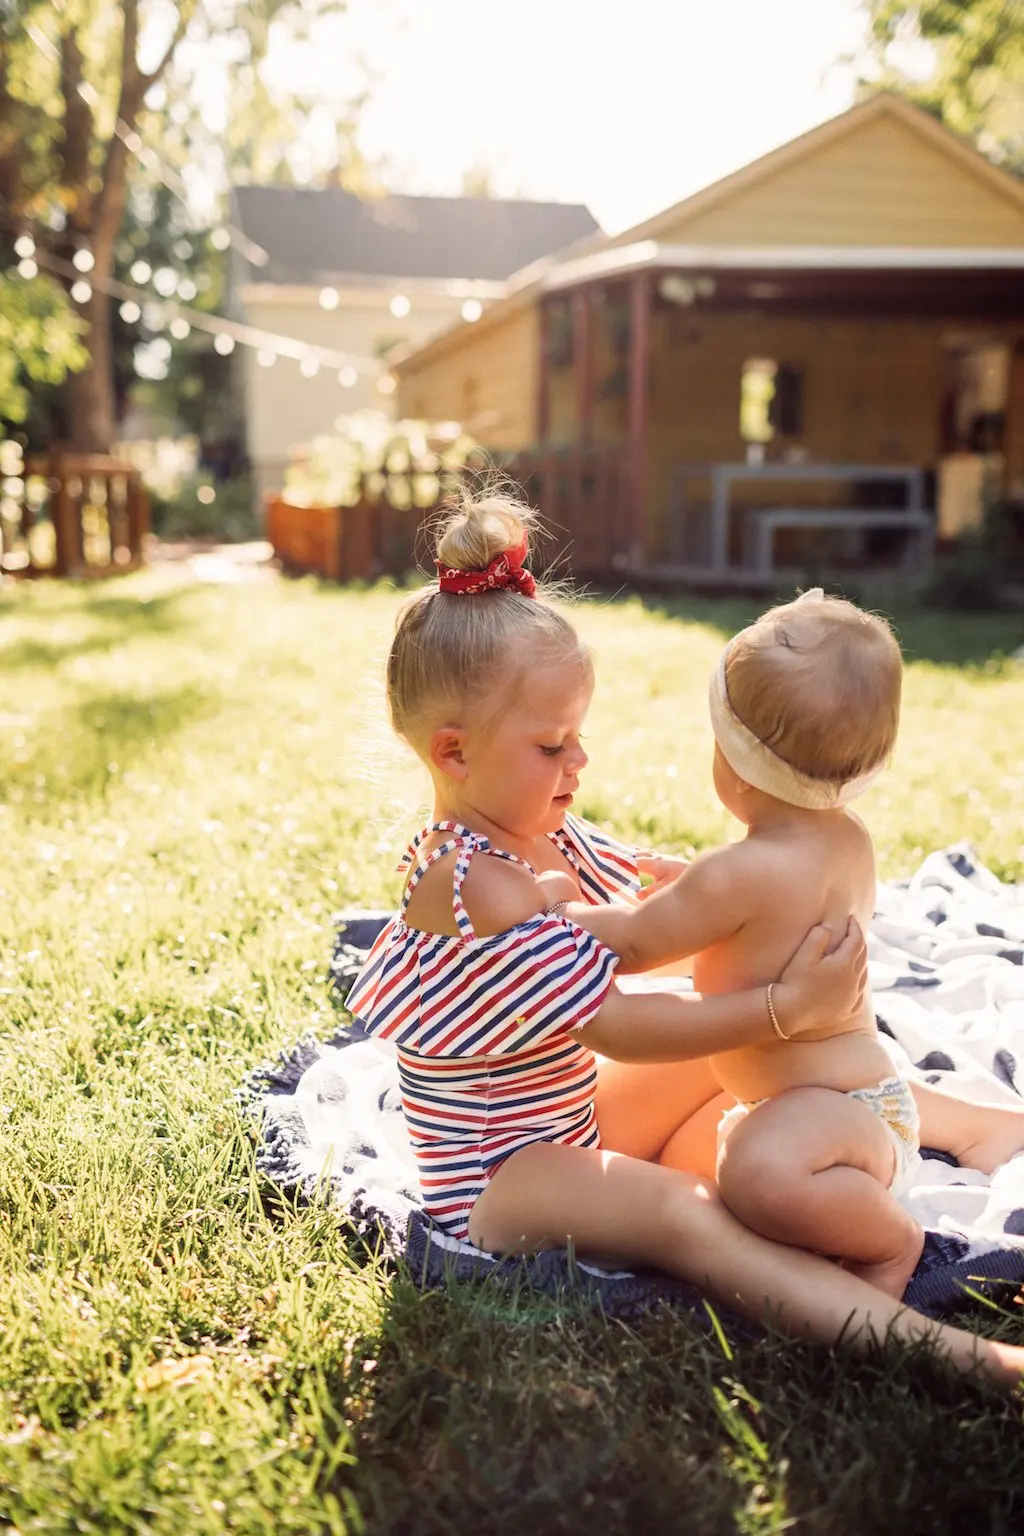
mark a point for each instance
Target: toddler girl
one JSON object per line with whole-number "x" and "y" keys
{"x": 497, "y": 1000}
{"x": 804, "y": 708}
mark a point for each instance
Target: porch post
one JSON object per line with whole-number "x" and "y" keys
{"x": 639, "y": 360}
{"x": 543, "y": 374}
{"x": 582, "y": 355}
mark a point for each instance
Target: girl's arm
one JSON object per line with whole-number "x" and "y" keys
{"x": 706, "y": 903}
{"x": 814, "y": 991}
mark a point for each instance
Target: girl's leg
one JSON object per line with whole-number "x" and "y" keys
{"x": 813, "y": 1168}
{"x": 640, "y": 1108}
{"x": 603, "y": 1203}
{"x": 980, "y": 1136}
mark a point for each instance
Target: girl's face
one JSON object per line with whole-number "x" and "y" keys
{"x": 523, "y": 770}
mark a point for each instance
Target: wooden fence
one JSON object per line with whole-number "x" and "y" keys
{"x": 580, "y": 493}
{"x": 71, "y": 514}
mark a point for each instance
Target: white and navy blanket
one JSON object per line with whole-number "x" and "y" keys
{"x": 946, "y": 951}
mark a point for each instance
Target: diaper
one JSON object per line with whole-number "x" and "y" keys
{"x": 891, "y": 1100}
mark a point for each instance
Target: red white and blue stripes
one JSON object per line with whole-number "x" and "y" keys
{"x": 482, "y": 1025}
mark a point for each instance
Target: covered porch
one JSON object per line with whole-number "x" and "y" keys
{"x": 731, "y": 416}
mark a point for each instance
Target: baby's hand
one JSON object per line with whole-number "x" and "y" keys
{"x": 662, "y": 868}
{"x": 556, "y": 887}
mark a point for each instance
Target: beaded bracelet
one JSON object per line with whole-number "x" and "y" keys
{"x": 774, "y": 1016}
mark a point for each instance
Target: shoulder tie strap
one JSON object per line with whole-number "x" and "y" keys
{"x": 466, "y": 843}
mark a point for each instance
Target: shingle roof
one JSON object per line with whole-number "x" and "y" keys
{"x": 313, "y": 236}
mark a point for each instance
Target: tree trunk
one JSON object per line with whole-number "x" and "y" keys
{"x": 91, "y": 405}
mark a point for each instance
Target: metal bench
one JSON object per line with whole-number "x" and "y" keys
{"x": 763, "y": 525}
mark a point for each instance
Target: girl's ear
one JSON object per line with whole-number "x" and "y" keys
{"x": 445, "y": 751}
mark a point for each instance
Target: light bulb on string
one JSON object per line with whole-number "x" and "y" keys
{"x": 266, "y": 357}
{"x": 309, "y": 367}
{"x": 24, "y": 247}
{"x": 329, "y": 298}
{"x": 130, "y": 312}
{"x": 165, "y": 281}
{"x": 187, "y": 289}
{"x": 472, "y": 310}
{"x": 141, "y": 271}
{"x": 81, "y": 291}
{"x": 220, "y": 239}
{"x": 83, "y": 260}
{"x": 223, "y": 344}
{"x": 400, "y": 306}
{"x": 348, "y": 378}
{"x": 179, "y": 328}
{"x": 28, "y": 268}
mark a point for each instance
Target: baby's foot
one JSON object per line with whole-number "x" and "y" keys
{"x": 892, "y": 1275}
{"x": 1002, "y": 1139}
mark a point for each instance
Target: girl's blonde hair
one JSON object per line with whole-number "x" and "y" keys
{"x": 456, "y": 657}
{"x": 818, "y": 680}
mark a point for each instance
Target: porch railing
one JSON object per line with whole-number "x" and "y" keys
{"x": 70, "y": 514}
{"x": 582, "y": 493}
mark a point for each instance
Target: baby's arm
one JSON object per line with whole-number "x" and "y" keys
{"x": 708, "y": 902}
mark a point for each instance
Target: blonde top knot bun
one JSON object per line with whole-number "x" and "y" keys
{"x": 461, "y": 658}
{"x": 478, "y": 531}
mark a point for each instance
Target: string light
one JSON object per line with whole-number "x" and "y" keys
{"x": 472, "y": 310}
{"x": 226, "y": 334}
{"x": 329, "y": 298}
{"x": 130, "y": 312}
{"x": 165, "y": 281}
{"x": 81, "y": 291}
{"x": 83, "y": 259}
{"x": 25, "y": 247}
{"x": 141, "y": 271}
{"x": 309, "y": 367}
{"x": 220, "y": 239}
{"x": 400, "y": 306}
{"x": 187, "y": 289}
{"x": 179, "y": 328}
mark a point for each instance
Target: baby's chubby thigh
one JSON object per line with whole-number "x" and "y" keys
{"x": 782, "y": 1141}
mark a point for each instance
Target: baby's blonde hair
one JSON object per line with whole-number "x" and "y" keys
{"x": 819, "y": 681}
{"x": 457, "y": 658}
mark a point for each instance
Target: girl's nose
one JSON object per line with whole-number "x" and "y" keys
{"x": 578, "y": 760}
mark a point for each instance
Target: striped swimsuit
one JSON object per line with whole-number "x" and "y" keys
{"x": 481, "y": 1024}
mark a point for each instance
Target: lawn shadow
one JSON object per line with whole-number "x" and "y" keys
{"x": 123, "y": 619}
{"x": 944, "y": 637}
{"x": 83, "y": 750}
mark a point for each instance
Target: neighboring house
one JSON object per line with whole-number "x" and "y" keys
{"x": 847, "y": 311}
{"x": 361, "y": 276}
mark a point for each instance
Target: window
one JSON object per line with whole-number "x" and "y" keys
{"x": 771, "y": 400}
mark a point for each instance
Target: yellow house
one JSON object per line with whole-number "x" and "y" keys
{"x": 821, "y": 354}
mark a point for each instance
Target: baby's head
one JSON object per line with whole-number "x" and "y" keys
{"x": 463, "y": 647}
{"x": 805, "y": 703}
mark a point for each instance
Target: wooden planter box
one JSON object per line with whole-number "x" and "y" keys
{"x": 356, "y": 543}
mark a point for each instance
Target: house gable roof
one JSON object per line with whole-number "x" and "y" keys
{"x": 319, "y": 236}
{"x": 883, "y": 173}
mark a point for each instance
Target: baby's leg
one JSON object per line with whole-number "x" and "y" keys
{"x": 978, "y": 1135}
{"x": 813, "y": 1168}
{"x": 607, "y": 1204}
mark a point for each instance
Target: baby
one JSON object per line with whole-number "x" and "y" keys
{"x": 824, "y": 1137}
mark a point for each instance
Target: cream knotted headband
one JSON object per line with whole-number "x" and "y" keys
{"x": 754, "y": 761}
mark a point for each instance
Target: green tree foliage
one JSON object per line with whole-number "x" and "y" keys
{"x": 40, "y": 340}
{"x": 977, "y": 84}
{"x": 88, "y": 89}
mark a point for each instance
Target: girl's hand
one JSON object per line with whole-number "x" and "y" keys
{"x": 823, "y": 989}
{"x": 662, "y": 868}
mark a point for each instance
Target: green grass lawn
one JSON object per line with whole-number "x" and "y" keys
{"x": 194, "y": 779}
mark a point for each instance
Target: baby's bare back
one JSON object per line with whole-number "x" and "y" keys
{"x": 818, "y": 868}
